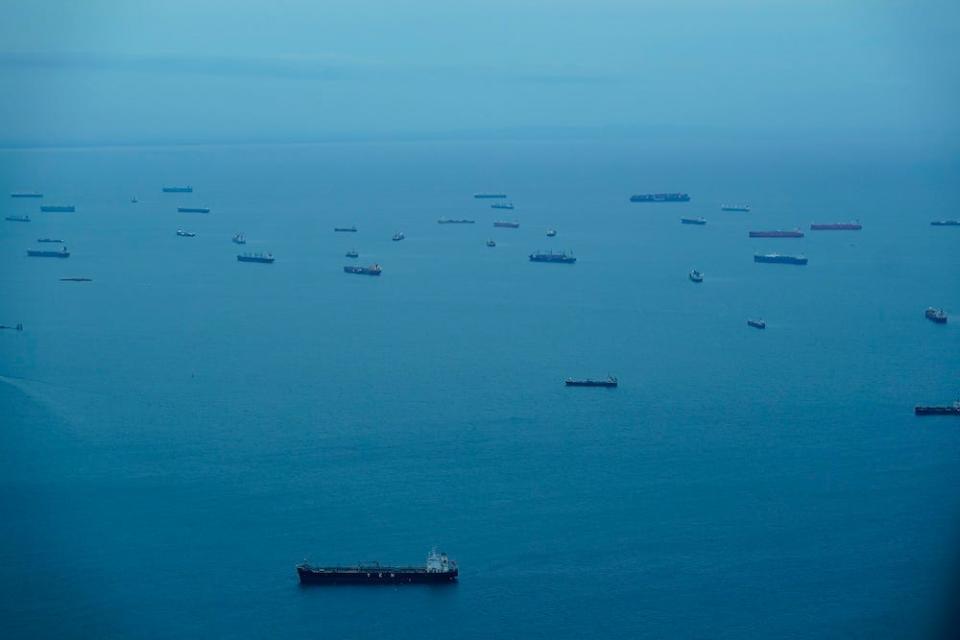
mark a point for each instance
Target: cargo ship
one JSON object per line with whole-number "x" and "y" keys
{"x": 345, "y": 229}
{"x": 836, "y": 226}
{"x": 186, "y": 234}
{"x": 483, "y": 196}
{"x": 50, "y": 240}
{"x": 942, "y": 410}
{"x": 550, "y": 256}
{"x": 48, "y": 253}
{"x": 178, "y": 189}
{"x": 756, "y": 324}
{"x": 938, "y": 316}
{"x": 693, "y": 221}
{"x": 745, "y": 208}
{"x": 26, "y": 194}
{"x": 660, "y": 197}
{"x": 193, "y": 209}
{"x": 946, "y": 223}
{"x": 266, "y": 258}
{"x": 58, "y": 208}
{"x": 76, "y": 279}
{"x": 610, "y": 381}
{"x": 17, "y": 218}
{"x": 796, "y": 233}
{"x": 438, "y": 570}
{"x": 16, "y": 327}
{"x": 696, "y": 276}
{"x": 397, "y": 237}
{"x": 502, "y": 205}
{"x": 372, "y": 270}
{"x": 776, "y": 258}
{"x": 239, "y": 238}
{"x": 506, "y": 225}
{"x": 455, "y": 221}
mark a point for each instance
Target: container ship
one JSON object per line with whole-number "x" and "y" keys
{"x": 938, "y": 316}
{"x": 25, "y": 194}
{"x": 372, "y": 270}
{"x": 660, "y": 197}
{"x": 48, "y": 253}
{"x": 455, "y": 221}
{"x": 345, "y": 229}
{"x": 266, "y": 258}
{"x": 178, "y": 189}
{"x": 609, "y": 381}
{"x": 836, "y": 226}
{"x": 506, "y": 225}
{"x": 946, "y": 223}
{"x": 487, "y": 196}
{"x": 942, "y": 410}
{"x": 693, "y": 221}
{"x": 756, "y": 324}
{"x": 735, "y": 207}
{"x": 58, "y": 208}
{"x": 438, "y": 570}
{"x": 777, "y": 258}
{"x": 796, "y": 233}
{"x": 502, "y": 205}
{"x": 193, "y": 209}
{"x": 550, "y": 256}
{"x": 17, "y": 218}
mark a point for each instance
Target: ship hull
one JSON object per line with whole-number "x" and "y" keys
{"x": 374, "y": 576}
{"x": 590, "y": 383}
{"x": 57, "y": 209}
{"x": 48, "y": 254}
{"x": 488, "y": 196}
{"x": 840, "y": 226}
{"x": 660, "y": 197}
{"x": 776, "y": 234}
{"x": 937, "y": 411}
{"x": 250, "y": 259}
{"x": 692, "y": 221}
{"x": 193, "y": 209}
{"x": 178, "y": 189}
{"x": 945, "y": 223}
{"x": 780, "y": 260}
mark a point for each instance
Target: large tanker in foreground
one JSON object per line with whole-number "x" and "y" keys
{"x": 438, "y": 570}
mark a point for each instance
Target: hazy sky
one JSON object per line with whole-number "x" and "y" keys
{"x": 138, "y": 70}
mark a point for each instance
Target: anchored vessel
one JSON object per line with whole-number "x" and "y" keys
{"x": 489, "y": 195}
{"x": 193, "y": 209}
{"x": 76, "y": 279}
{"x": 49, "y": 240}
{"x": 372, "y": 270}
{"x": 397, "y": 237}
{"x": 550, "y": 256}
{"x": 186, "y": 234}
{"x": 946, "y": 223}
{"x": 345, "y": 229}
{"x": 777, "y": 258}
{"x": 178, "y": 189}
{"x": 735, "y": 207}
{"x": 836, "y": 226}
{"x": 17, "y": 218}
{"x": 507, "y": 225}
{"x": 438, "y": 570}
{"x": 696, "y": 276}
{"x": 491, "y": 243}
{"x": 353, "y": 253}
{"x": 25, "y": 194}
{"x": 660, "y": 197}
{"x": 610, "y": 381}
{"x": 48, "y": 253}
{"x": 453, "y": 221}
{"x": 256, "y": 257}
{"x": 756, "y": 324}
{"x": 796, "y": 233}
{"x": 502, "y": 205}
{"x": 938, "y": 316}
{"x": 943, "y": 410}
{"x": 551, "y": 233}
{"x": 693, "y": 221}
{"x": 58, "y": 208}
{"x": 239, "y": 239}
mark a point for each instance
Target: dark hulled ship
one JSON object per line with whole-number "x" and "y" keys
{"x": 609, "y": 381}
{"x": 486, "y": 196}
{"x": 777, "y": 258}
{"x": 745, "y": 208}
{"x": 946, "y": 223}
{"x": 372, "y": 270}
{"x": 693, "y": 221}
{"x": 506, "y": 224}
{"x": 550, "y": 256}
{"x": 58, "y": 208}
{"x": 938, "y": 316}
{"x": 17, "y": 218}
{"x": 660, "y": 197}
{"x": 193, "y": 209}
{"x": 439, "y": 569}
{"x": 502, "y": 205}
{"x": 49, "y": 253}
{"x": 455, "y": 221}
{"x": 266, "y": 258}
{"x": 795, "y": 233}
{"x": 26, "y": 194}
{"x": 938, "y": 410}
{"x": 836, "y": 226}
{"x": 345, "y": 229}
{"x": 178, "y": 189}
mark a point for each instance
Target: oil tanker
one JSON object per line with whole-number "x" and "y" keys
{"x": 942, "y": 410}
{"x": 609, "y": 381}
{"x": 660, "y": 197}
{"x": 266, "y": 258}
{"x": 796, "y": 233}
{"x": 193, "y": 209}
{"x": 439, "y": 569}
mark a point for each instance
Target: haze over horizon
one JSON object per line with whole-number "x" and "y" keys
{"x": 113, "y": 73}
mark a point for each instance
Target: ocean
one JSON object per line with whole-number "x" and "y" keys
{"x": 183, "y": 430}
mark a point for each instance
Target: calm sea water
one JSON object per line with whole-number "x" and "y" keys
{"x": 182, "y": 431}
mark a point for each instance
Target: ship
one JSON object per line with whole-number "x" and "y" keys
{"x": 777, "y": 258}
{"x": 939, "y": 316}
{"x": 58, "y": 208}
{"x": 26, "y": 194}
{"x": 550, "y": 256}
{"x": 455, "y": 221}
{"x": 16, "y": 327}
{"x": 502, "y": 205}
{"x": 186, "y": 234}
{"x": 17, "y": 218}
{"x": 551, "y": 233}
{"x": 48, "y": 253}
{"x": 745, "y": 208}
{"x": 489, "y": 195}
{"x": 345, "y": 229}
{"x": 50, "y": 240}
{"x": 239, "y": 238}
{"x": 397, "y": 237}
{"x": 796, "y": 233}
{"x": 134, "y": 200}
{"x": 506, "y": 225}
{"x": 942, "y": 410}
{"x": 178, "y": 189}
{"x": 439, "y": 569}
{"x": 353, "y": 253}
{"x": 256, "y": 257}
{"x": 609, "y": 381}
{"x": 491, "y": 243}
{"x": 696, "y": 276}
{"x": 946, "y": 223}
{"x": 372, "y": 270}
{"x": 836, "y": 226}
{"x": 660, "y": 197}
{"x": 76, "y": 279}
{"x": 693, "y": 221}
{"x": 756, "y": 324}
{"x": 193, "y": 209}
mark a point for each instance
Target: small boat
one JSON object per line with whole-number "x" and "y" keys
{"x": 756, "y": 324}
{"x": 937, "y": 316}
{"x": 397, "y": 237}
{"x": 696, "y": 276}
{"x": 50, "y": 240}
{"x": 134, "y": 200}
{"x": 76, "y": 279}
{"x": 186, "y": 234}
{"x": 372, "y": 270}
{"x": 17, "y": 218}
{"x": 491, "y": 243}
{"x": 345, "y": 229}
{"x": 700, "y": 221}
{"x": 239, "y": 238}
{"x": 946, "y": 223}
{"x": 353, "y": 253}
{"x": 610, "y": 381}
{"x": 551, "y": 233}
{"x": 266, "y": 258}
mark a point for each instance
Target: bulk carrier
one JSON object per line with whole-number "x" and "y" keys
{"x": 439, "y": 569}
